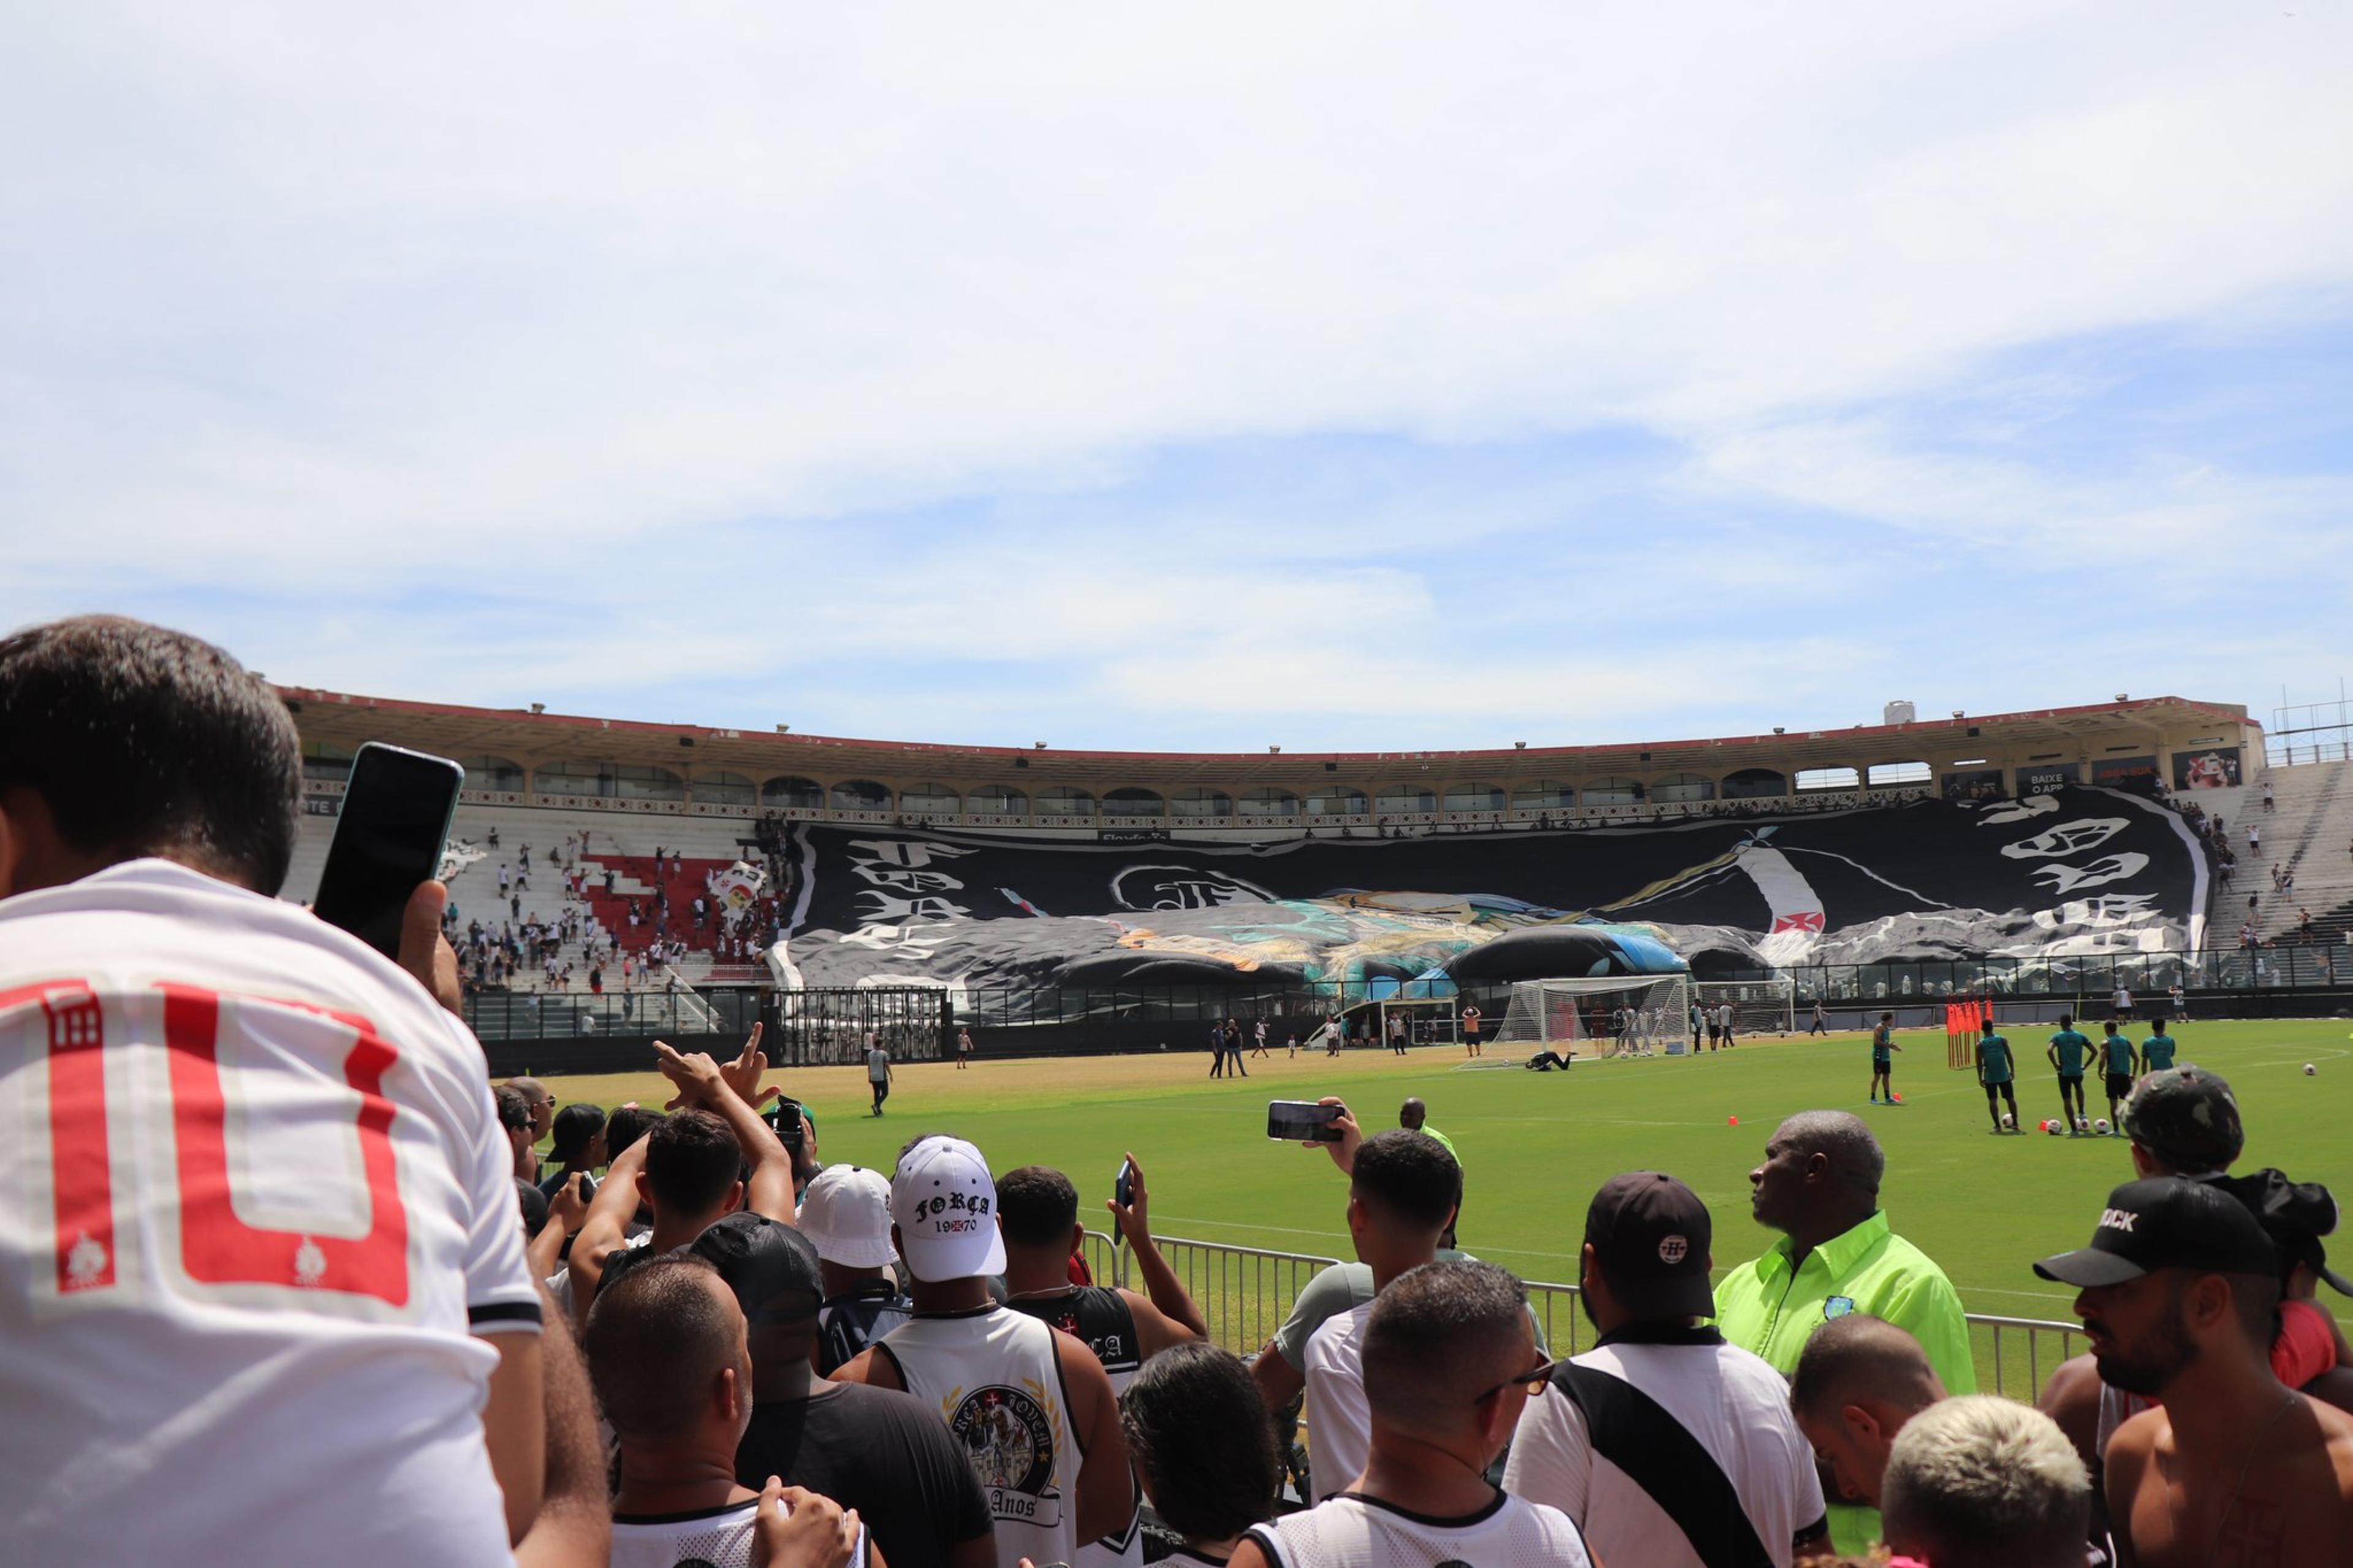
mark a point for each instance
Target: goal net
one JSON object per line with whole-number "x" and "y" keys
{"x": 1757, "y": 1005}
{"x": 1630, "y": 1014}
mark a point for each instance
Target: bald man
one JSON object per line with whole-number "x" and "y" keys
{"x": 542, "y": 1103}
{"x": 1859, "y": 1381}
{"x": 671, "y": 1366}
{"x": 1820, "y": 1187}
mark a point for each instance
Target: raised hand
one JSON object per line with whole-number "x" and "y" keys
{"x": 1134, "y": 1221}
{"x": 1352, "y": 1137}
{"x": 743, "y": 1074}
{"x": 799, "y": 1529}
{"x": 698, "y": 1077}
{"x": 569, "y": 1206}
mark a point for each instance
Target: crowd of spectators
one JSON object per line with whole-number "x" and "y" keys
{"x": 682, "y": 1338}
{"x": 517, "y": 950}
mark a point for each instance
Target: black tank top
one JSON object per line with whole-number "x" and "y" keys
{"x": 1097, "y": 1315}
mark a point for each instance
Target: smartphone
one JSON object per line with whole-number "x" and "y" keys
{"x": 784, "y": 1116}
{"x": 1122, "y": 1192}
{"x": 388, "y": 838}
{"x": 1302, "y": 1121}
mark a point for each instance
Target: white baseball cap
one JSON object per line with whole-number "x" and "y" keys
{"x": 944, "y": 1204}
{"x": 846, "y": 1213}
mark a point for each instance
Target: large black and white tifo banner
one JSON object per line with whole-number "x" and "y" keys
{"x": 2074, "y": 871}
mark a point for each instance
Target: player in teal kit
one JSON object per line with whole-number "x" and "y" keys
{"x": 1996, "y": 1071}
{"x": 2068, "y": 1053}
{"x": 1883, "y": 1041}
{"x": 2157, "y": 1051}
{"x": 2118, "y": 1058}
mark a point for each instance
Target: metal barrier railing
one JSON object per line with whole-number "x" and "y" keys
{"x": 1245, "y": 1292}
{"x": 1106, "y": 1263}
{"x": 1561, "y": 1320}
{"x": 2015, "y": 1356}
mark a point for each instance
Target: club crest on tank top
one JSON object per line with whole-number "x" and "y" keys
{"x": 1009, "y": 1439}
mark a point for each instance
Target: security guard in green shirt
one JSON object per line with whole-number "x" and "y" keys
{"x": 1995, "y": 1071}
{"x": 1820, "y": 1187}
{"x": 2067, "y": 1053}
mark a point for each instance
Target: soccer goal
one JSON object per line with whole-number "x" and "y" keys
{"x": 1757, "y": 1005}
{"x": 1605, "y": 1015}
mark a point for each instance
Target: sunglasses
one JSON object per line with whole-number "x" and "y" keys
{"x": 1534, "y": 1380}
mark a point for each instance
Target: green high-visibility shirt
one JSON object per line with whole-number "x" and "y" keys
{"x": 2157, "y": 1052}
{"x": 2072, "y": 1049}
{"x": 1771, "y": 1310}
{"x": 1443, "y": 1142}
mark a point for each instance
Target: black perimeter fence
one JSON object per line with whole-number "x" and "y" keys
{"x": 575, "y": 1032}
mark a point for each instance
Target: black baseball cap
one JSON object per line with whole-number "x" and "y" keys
{"x": 1651, "y": 1237}
{"x": 2166, "y": 1223}
{"x": 2187, "y": 1116}
{"x": 762, "y": 1259}
{"x": 2295, "y": 1215}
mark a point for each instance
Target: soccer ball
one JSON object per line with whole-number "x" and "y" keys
{"x": 2309, "y": 1070}
{"x": 2101, "y": 1127}
{"x": 2008, "y": 1122}
{"x": 2052, "y": 1128}
{"x": 2082, "y": 1125}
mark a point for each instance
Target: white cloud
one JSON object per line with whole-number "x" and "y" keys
{"x": 618, "y": 307}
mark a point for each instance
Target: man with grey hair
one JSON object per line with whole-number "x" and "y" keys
{"x": 1820, "y": 1187}
{"x": 1980, "y": 1482}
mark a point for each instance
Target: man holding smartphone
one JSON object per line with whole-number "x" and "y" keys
{"x": 170, "y": 1305}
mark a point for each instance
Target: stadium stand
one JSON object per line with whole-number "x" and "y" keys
{"x": 911, "y": 888}
{"x": 617, "y": 842}
{"x": 2309, "y": 834}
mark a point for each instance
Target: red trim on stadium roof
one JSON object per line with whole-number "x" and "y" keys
{"x": 1865, "y": 734}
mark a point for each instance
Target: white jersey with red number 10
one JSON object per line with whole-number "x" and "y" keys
{"x": 254, "y": 1206}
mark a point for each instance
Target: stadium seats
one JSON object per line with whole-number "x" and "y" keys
{"x": 619, "y": 841}
{"x": 2308, "y": 832}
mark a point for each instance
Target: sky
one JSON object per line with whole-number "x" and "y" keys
{"x": 1365, "y": 377}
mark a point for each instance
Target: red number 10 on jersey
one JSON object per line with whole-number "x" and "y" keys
{"x": 216, "y": 1247}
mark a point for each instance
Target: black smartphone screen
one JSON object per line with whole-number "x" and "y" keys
{"x": 388, "y": 838}
{"x": 1301, "y": 1121}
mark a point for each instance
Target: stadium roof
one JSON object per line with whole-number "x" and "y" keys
{"x": 342, "y": 719}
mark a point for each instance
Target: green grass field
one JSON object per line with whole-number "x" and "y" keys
{"x": 1534, "y": 1147}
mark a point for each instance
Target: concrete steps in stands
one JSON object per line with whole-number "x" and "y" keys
{"x": 2308, "y": 833}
